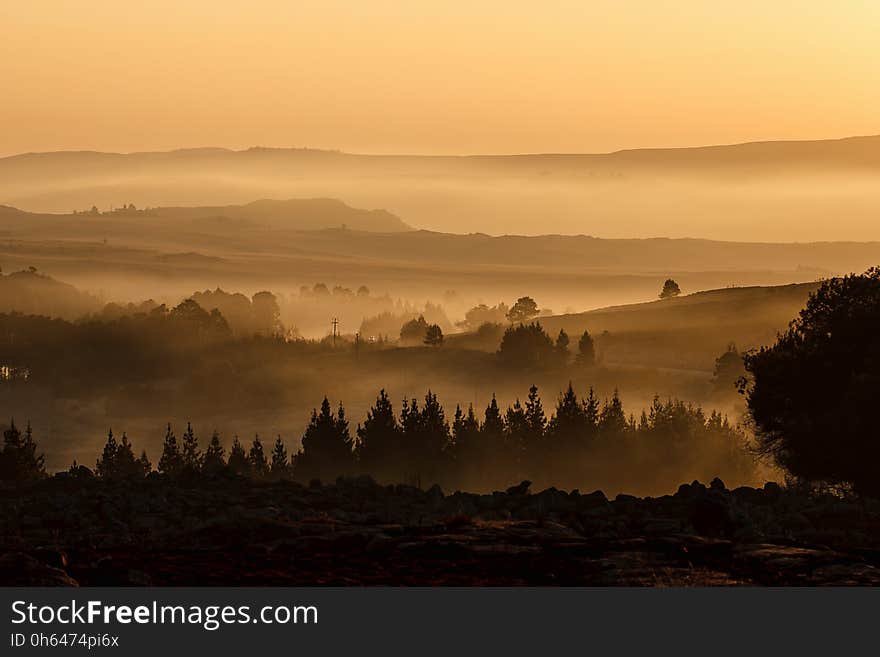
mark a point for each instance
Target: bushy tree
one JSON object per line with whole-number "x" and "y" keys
{"x": 527, "y": 346}
{"x": 813, "y": 391}
{"x": 670, "y": 289}
{"x": 433, "y": 336}
{"x": 483, "y": 314}
{"x": 414, "y": 331}
{"x": 729, "y": 369}
{"x": 524, "y": 309}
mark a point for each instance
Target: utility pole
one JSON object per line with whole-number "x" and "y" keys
{"x": 335, "y": 323}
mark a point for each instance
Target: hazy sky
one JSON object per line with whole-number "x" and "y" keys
{"x": 434, "y": 77}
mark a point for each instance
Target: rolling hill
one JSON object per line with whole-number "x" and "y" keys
{"x": 767, "y": 191}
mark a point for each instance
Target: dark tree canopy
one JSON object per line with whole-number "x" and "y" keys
{"x": 670, "y": 289}
{"x": 586, "y": 350}
{"x": 326, "y": 446}
{"x": 433, "y": 336}
{"x": 19, "y": 460}
{"x": 414, "y": 331}
{"x": 813, "y": 393}
{"x": 523, "y": 310}
{"x": 528, "y": 346}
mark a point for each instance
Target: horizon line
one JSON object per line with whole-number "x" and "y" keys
{"x": 338, "y": 151}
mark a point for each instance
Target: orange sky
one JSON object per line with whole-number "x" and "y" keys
{"x": 434, "y": 77}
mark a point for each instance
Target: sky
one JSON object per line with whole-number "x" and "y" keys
{"x": 452, "y": 77}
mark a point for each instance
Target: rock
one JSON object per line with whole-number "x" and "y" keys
{"x": 592, "y": 500}
{"x": 711, "y": 515}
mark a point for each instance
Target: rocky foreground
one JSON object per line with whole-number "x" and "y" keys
{"x": 230, "y": 531}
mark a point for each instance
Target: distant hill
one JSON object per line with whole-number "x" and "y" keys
{"x": 31, "y": 293}
{"x": 690, "y": 331}
{"x": 765, "y": 191}
{"x": 291, "y": 214}
{"x": 851, "y": 153}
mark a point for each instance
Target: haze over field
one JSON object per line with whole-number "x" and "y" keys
{"x": 223, "y": 212}
{"x": 773, "y": 191}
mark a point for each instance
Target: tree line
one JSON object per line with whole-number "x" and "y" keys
{"x": 580, "y": 443}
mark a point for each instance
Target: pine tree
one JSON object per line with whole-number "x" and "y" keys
{"x": 106, "y": 466}
{"x": 586, "y": 350}
{"x": 536, "y": 420}
{"x": 238, "y": 461}
{"x": 126, "y": 466}
{"x": 612, "y": 419}
{"x": 426, "y": 433}
{"x": 171, "y": 461}
{"x": 192, "y": 457}
{"x": 326, "y": 451}
{"x": 215, "y": 457}
{"x": 19, "y": 460}
{"x": 144, "y": 463}
{"x": 562, "y": 342}
{"x": 591, "y": 410}
{"x": 259, "y": 466}
{"x": 517, "y": 430}
{"x": 467, "y": 444}
{"x": 280, "y": 464}
{"x": 379, "y": 446}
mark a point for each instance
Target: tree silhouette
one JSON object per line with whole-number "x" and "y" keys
{"x": 256, "y": 459}
{"x": 326, "y": 451}
{"x": 118, "y": 460}
{"x": 238, "y": 460}
{"x": 379, "y": 446}
{"x": 105, "y": 466}
{"x": 562, "y": 342}
{"x": 523, "y": 310}
{"x": 527, "y": 346}
{"x": 214, "y": 460}
{"x": 729, "y": 369}
{"x": 414, "y": 331}
{"x": 280, "y": 465}
{"x": 586, "y": 350}
{"x": 813, "y": 390}
{"x": 171, "y": 461}
{"x": 19, "y": 460}
{"x": 612, "y": 419}
{"x": 426, "y": 437}
{"x": 670, "y": 289}
{"x": 191, "y": 456}
{"x": 433, "y": 336}
{"x": 569, "y": 432}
